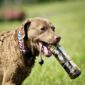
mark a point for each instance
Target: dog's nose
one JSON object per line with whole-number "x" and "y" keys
{"x": 57, "y": 39}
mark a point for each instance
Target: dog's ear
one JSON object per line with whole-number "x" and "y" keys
{"x": 25, "y": 28}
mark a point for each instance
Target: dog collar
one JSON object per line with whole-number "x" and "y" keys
{"x": 21, "y": 44}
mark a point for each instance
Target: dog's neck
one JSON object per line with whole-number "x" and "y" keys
{"x": 25, "y": 47}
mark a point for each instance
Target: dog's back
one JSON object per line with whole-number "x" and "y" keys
{"x": 9, "y": 49}
{"x": 3, "y": 50}
{"x": 6, "y": 47}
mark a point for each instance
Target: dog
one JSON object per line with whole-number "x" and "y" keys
{"x": 19, "y": 48}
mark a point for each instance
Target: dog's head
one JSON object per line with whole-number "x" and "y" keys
{"x": 38, "y": 33}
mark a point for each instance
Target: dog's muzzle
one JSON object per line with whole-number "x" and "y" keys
{"x": 45, "y": 47}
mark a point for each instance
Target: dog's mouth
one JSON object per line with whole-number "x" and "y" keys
{"x": 45, "y": 48}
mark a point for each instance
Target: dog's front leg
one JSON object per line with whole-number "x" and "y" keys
{"x": 8, "y": 75}
{"x": 14, "y": 75}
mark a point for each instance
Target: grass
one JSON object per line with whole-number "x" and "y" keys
{"x": 69, "y": 20}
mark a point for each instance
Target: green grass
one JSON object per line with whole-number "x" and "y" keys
{"x": 69, "y": 20}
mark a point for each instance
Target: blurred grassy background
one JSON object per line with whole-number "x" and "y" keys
{"x": 69, "y": 20}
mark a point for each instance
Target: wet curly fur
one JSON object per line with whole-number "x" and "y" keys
{"x": 14, "y": 66}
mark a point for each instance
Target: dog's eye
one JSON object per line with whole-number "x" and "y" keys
{"x": 53, "y": 28}
{"x": 43, "y": 28}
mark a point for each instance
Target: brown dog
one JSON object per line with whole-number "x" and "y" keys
{"x": 19, "y": 48}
